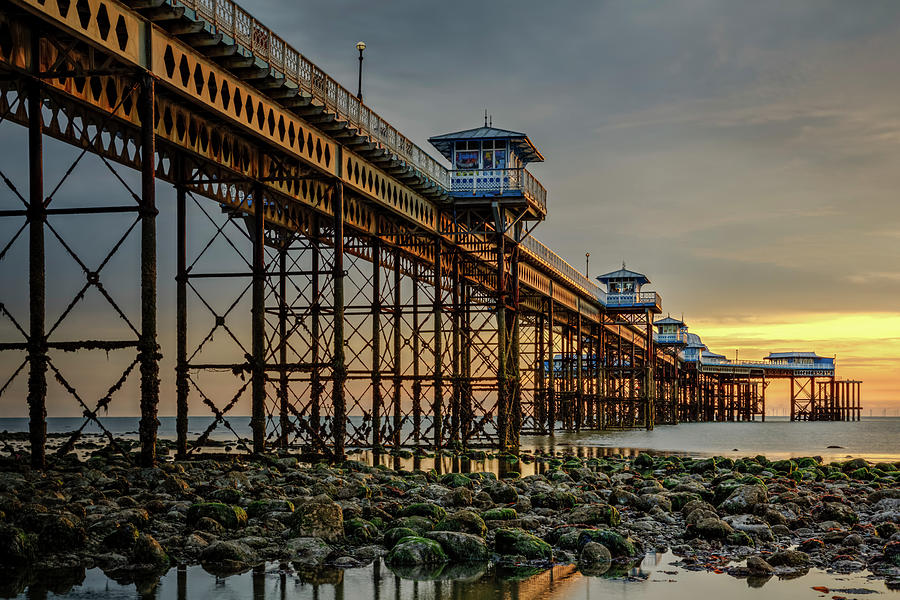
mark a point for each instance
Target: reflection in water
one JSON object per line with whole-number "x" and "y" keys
{"x": 653, "y": 579}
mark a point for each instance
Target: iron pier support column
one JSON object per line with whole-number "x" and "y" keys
{"x": 315, "y": 310}
{"x": 438, "y": 351}
{"x": 551, "y": 366}
{"x": 148, "y": 350}
{"x": 181, "y": 316}
{"x": 502, "y": 382}
{"x": 579, "y": 366}
{"x": 339, "y": 368}
{"x": 398, "y": 346}
{"x": 376, "y": 346}
{"x": 284, "y": 420}
{"x": 37, "y": 344}
{"x": 650, "y": 380}
{"x": 417, "y": 382}
{"x": 258, "y": 322}
{"x": 455, "y": 341}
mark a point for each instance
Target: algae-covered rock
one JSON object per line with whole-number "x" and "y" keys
{"x": 261, "y": 508}
{"x": 455, "y": 480}
{"x": 556, "y": 500}
{"x": 230, "y": 517}
{"x": 712, "y": 528}
{"x": 149, "y": 553}
{"x": 17, "y": 548}
{"x": 744, "y": 498}
{"x": 594, "y": 559}
{"x": 643, "y": 461}
{"x": 594, "y": 514}
{"x": 226, "y": 557}
{"x": 419, "y": 524}
{"x": 411, "y": 551}
{"x": 392, "y": 536}
{"x": 836, "y": 511}
{"x": 320, "y": 518}
{"x": 308, "y": 551}
{"x": 360, "y": 530}
{"x": 518, "y": 542}
{"x": 502, "y": 492}
{"x": 617, "y": 544}
{"x": 464, "y": 521}
{"x": 461, "y": 546}
{"x": 424, "y": 509}
{"x": 788, "y": 558}
{"x": 500, "y": 514}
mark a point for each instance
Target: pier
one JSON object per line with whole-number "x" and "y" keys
{"x": 332, "y": 276}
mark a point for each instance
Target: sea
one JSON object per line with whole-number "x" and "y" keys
{"x": 873, "y": 438}
{"x": 657, "y": 577}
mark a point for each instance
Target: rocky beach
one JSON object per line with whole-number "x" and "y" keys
{"x": 750, "y": 517}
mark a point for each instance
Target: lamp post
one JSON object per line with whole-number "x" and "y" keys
{"x": 587, "y": 262}
{"x": 360, "y": 46}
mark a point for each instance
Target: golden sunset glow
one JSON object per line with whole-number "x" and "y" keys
{"x": 867, "y": 346}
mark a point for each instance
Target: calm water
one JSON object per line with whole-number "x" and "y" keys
{"x": 656, "y": 578}
{"x": 873, "y": 438}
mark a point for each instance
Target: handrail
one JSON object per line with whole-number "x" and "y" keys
{"x": 230, "y": 19}
{"x": 554, "y": 261}
{"x": 499, "y": 180}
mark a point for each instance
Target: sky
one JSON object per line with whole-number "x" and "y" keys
{"x": 744, "y": 156}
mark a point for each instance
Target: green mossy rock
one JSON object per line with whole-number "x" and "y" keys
{"x": 320, "y": 518}
{"x": 261, "y": 508}
{"x": 594, "y": 514}
{"x": 424, "y": 509}
{"x": 854, "y": 465}
{"x": 227, "y": 557}
{"x": 455, "y": 480}
{"x": 392, "y": 536}
{"x": 464, "y": 521}
{"x": 17, "y": 548}
{"x": 643, "y": 461}
{"x": 703, "y": 465}
{"x": 148, "y": 553}
{"x": 416, "y": 523}
{"x": 500, "y": 514}
{"x": 360, "y": 530}
{"x": 784, "y": 466}
{"x": 461, "y": 547}
{"x": 618, "y": 545}
{"x": 788, "y": 558}
{"x": 556, "y": 500}
{"x": 521, "y": 543}
{"x": 230, "y": 517}
{"x": 739, "y": 538}
{"x": 836, "y": 511}
{"x": 411, "y": 551}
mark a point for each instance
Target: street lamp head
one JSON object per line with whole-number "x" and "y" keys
{"x": 360, "y": 46}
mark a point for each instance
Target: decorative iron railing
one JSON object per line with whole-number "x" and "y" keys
{"x": 670, "y": 338}
{"x": 499, "y": 181}
{"x": 637, "y": 299}
{"x": 554, "y": 261}
{"x": 230, "y": 19}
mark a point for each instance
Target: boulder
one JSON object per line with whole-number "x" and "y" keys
{"x": 789, "y": 558}
{"x": 758, "y": 567}
{"x": 743, "y": 499}
{"x": 836, "y": 511}
{"x": 262, "y": 508}
{"x": 308, "y": 551}
{"x": 17, "y": 548}
{"x": 424, "y": 509}
{"x": 319, "y": 518}
{"x": 594, "y": 514}
{"x": 412, "y": 551}
{"x": 502, "y": 493}
{"x": 518, "y": 542}
{"x": 230, "y": 517}
{"x": 148, "y": 553}
{"x": 224, "y": 557}
{"x": 593, "y": 553}
{"x": 392, "y": 536}
{"x": 618, "y": 545}
{"x": 464, "y": 521}
{"x": 461, "y": 547}
{"x": 712, "y": 528}
{"x": 500, "y": 514}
